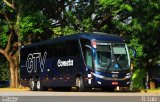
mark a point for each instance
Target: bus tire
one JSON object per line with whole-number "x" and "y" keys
{"x": 32, "y": 84}
{"x": 39, "y": 85}
{"x": 80, "y": 84}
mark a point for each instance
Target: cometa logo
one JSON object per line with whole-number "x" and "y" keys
{"x": 64, "y": 63}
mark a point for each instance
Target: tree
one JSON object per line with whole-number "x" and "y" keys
{"x": 139, "y": 22}
{"x": 77, "y": 16}
{"x": 149, "y": 21}
{"x": 20, "y": 19}
{"x": 9, "y": 40}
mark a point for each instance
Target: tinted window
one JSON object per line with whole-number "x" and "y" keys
{"x": 83, "y": 43}
{"x": 88, "y": 57}
{"x": 86, "y": 52}
{"x": 64, "y": 49}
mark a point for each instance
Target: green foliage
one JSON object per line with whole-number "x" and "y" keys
{"x": 134, "y": 42}
{"x": 3, "y": 40}
{"x": 149, "y": 35}
{"x": 58, "y": 31}
{"x": 116, "y": 6}
{"x": 4, "y": 69}
{"x": 68, "y": 30}
{"x": 87, "y": 25}
{"x": 138, "y": 79}
{"x": 78, "y": 17}
{"x": 126, "y": 7}
{"x": 139, "y": 26}
{"x": 33, "y": 26}
{"x": 3, "y": 30}
{"x": 109, "y": 3}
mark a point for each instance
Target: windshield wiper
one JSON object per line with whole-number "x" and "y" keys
{"x": 113, "y": 60}
{"x": 109, "y": 66}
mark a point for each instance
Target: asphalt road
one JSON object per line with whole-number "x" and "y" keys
{"x": 90, "y": 96}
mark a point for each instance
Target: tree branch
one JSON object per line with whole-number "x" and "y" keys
{"x": 15, "y": 49}
{"x": 9, "y": 4}
{"x": 9, "y": 42}
{"x": 1, "y": 51}
{"x": 7, "y": 19}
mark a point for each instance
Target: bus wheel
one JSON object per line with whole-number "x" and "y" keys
{"x": 39, "y": 85}
{"x": 32, "y": 84}
{"x": 79, "y": 84}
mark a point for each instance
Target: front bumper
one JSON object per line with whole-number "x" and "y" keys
{"x": 103, "y": 81}
{"x": 111, "y": 83}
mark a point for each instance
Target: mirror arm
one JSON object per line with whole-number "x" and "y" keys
{"x": 88, "y": 46}
{"x": 134, "y": 51}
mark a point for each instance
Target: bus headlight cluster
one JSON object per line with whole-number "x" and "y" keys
{"x": 128, "y": 75}
{"x": 97, "y": 75}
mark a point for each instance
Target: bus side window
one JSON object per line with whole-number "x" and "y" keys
{"x": 86, "y": 52}
{"x": 88, "y": 57}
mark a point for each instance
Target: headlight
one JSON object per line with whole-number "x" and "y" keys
{"x": 97, "y": 75}
{"x": 128, "y": 75}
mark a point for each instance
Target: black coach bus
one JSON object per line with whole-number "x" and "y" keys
{"x": 85, "y": 60}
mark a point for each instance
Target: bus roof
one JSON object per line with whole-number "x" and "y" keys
{"x": 90, "y": 36}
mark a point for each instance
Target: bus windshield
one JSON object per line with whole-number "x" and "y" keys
{"x": 111, "y": 56}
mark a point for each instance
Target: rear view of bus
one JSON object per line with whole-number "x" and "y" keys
{"x": 108, "y": 62}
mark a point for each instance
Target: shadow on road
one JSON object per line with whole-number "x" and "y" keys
{"x": 90, "y": 90}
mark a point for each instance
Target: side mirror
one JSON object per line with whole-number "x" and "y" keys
{"x": 134, "y": 53}
{"x": 92, "y": 49}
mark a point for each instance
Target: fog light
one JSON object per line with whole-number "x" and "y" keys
{"x": 128, "y": 83}
{"x": 117, "y": 88}
{"x": 99, "y": 82}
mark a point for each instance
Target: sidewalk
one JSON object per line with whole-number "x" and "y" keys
{"x": 27, "y": 89}
{"x": 14, "y": 89}
{"x": 151, "y": 91}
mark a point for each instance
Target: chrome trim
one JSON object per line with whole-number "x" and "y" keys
{"x": 107, "y": 78}
{"x": 129, "y": 61}
{"x": 115, "y": 72}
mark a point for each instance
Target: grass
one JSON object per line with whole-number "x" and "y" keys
{"x": 138, "y": 79}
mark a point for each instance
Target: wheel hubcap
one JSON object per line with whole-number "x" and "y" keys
{"x": 38, "y": 85}
{"x": 79, "y": 83}
{"x": 32, "y": 84}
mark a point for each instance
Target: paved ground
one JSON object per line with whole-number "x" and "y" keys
{"x": 24, "y": 95}
{"x": 96, "y": 92}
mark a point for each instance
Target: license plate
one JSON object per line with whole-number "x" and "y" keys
{"x": 114, "y": 83}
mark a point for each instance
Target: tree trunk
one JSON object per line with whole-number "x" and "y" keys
{"x": 14, "y": 75}
{"x": 13, "y": 63}
{"x": 152, "y": 85}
